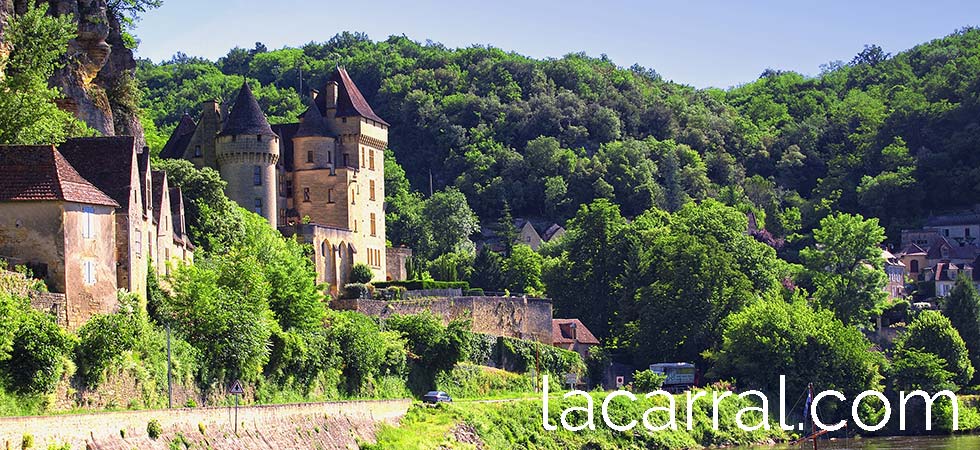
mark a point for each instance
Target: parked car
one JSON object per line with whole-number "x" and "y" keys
{"x": 436, "y": 397}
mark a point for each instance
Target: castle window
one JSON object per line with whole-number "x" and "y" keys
{"x": 88, "y": 222}
{"x": 258, "y": 137}
{"x": 371, "y": 160}
{"x": 323, "y": 248}
{"x": 309, "y": 156}
{"x": 353, "y": 197}
{"x": 258, "y": 206}
{"x": 282, "y": 215}
{"x": 234, "y": 138}
{"x": 88, "y": 272}
{"x": 197, "y": 151}
{"x": 372, "y": 189}
{"x": 346, "y": 160}
{"x": 257, "y": 175}
{"x": 914, "y": 266}
{"x": 289, "y": 188}
{"x": 374, "y": 228}
{"x": 329, "y": 195}
{"x": 138, "y": 241}
{"x": 330, "y": 157}
{"x": 306, "y": 194}
{"x": 362, "y": 156}
{"x": 343, "y": 119}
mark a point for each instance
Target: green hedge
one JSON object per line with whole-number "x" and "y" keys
{"x": 517, "y": 355}
{"x": 418, "y": 285}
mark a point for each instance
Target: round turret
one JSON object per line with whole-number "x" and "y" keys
{"x": 247, "y": 151}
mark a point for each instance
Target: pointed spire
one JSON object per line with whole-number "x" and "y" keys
{"x": 246, "y": 116}
{"x": 312, "y": 123}
{"x": 350, "y": 101}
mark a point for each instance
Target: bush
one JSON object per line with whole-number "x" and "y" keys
{"x": 27, "y": 441}
{"x": 391, "y": 293}
{"x": 434, "y": 347}
{"x": 482, "y": 349}
{"x": 418, "y": 285}
{"x": 361, "y": 273}
{"x": 518, "y": 355}
{"x": 153, "y": 429}
{"x": 648, "y": 380}
{"x": 474, "y": 381}
{"x": 102, "y": 341}
{"x": 365, "y": 351}
{"x": 474, "y": 292}
{"x": 39, "y": 351}
{"x": 357, "y": 290}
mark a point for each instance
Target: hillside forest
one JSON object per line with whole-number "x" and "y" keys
{"x": 697, "y": 220}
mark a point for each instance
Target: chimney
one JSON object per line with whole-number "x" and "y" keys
{"x": 575, "y": 332}
{"x": 331, "y": 93}
{"x": 313, "y": 94}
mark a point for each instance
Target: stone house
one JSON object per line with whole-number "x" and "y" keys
{"x": 943, "y": 276}
{"x": 321, "y": 179}
{"x": 895, "y": 270}
{"x": 571, "y": 334}
{"x": 145, "y": 218}
{"x": 62, "y": 225}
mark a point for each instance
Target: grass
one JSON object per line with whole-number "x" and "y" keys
{"x": 518, "y": 424}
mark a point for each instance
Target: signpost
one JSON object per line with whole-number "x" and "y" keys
{"x": 571, "y": 379}
{"x": 620, "y": 381}
{"x": 236, "y": 390}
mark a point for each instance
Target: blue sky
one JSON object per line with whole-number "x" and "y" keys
{"x": 701, "y": 43}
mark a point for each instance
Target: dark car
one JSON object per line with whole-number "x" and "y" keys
{"x": 436, "y": 397}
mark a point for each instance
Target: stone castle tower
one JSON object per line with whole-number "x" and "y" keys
{"x": 321, "y": 178}
{"x": 246, "y": 151}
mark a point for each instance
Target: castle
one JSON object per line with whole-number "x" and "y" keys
{"x": 321, "y": 179}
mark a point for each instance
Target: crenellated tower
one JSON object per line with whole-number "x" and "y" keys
{"x": 246, "y": 151}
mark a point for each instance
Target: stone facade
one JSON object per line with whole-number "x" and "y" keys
{"x": 397, "y": 260}
{"x": 515, "y": 317}
{"x": 321, "y": 179}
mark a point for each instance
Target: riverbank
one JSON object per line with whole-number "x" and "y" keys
{"x": 518, "y": 424}
{"x": 305, "y": 425}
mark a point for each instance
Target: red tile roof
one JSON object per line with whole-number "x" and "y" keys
{"x": 561, "y": 332}
{"x": 39, "y": 172}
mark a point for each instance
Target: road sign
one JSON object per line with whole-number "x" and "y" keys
{"x": 620, "y": 381}
{"x": 236, "y": 388}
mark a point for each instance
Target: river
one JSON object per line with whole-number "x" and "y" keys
{"x": 886, "y": 443}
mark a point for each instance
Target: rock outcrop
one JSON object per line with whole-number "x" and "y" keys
{"x": 98, "y": 78}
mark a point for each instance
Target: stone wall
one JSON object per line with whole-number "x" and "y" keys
{"x": 310, "y": 425}
{"x": 52, "y": 303}
{"x": 498, "y": 316}
{"x": 396, "y": 260}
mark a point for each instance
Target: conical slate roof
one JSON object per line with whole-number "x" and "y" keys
{"x": 313, "y": 123}
{"x": 350, "y": 101}
{"x": 246, "y": 117}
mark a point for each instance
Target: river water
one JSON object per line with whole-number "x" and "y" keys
{"x": 888, "y": 443}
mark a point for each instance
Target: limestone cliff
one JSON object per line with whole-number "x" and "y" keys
{"x": 97, "y": 80}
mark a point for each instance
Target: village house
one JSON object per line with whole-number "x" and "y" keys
{"x": 571, "y": 334}
{"x": 321, "y": 179}
{"x": 102, "y": 189}
{"x": 60, "y": 226}
{"x": 895, "y": 270}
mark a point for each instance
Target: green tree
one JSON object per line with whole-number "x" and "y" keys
{"x": 40, "y": 349}
{"x": 962, "y": 307}
{"x": 361, "y": 273}
{"x": 432, "y": 347}
{"x": 28, "y": 113}
{"x": 933, "y": 333}
{"x": 522, "y": 271}
{"x": 451, "y": 221}
{"x": 846, "y": 267}
{"x": 773, "y": 337}
{"x": 488, "y": 270}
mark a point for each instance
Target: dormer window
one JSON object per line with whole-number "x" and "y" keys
{"x": 197, "y": 151}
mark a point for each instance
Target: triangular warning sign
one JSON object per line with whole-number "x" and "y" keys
{"x": 236, "y": 388}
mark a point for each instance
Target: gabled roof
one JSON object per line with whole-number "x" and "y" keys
{"x": 143, "y": 163}
{"x": 107, "y": 162}
{"x": 246, "y": 116}
{"x": 350, "y": 102}
{"x": 159, "y": 179}
{"x": 941, "y": 271}
{"x": 312, "y": 123}
{"x": 961, "y": 218}
{"x": 179, "y": 139}
{"x": 954, "y": 251}
{"x": 562, "y": 332}
{"x": 551, "y": 231}
{"x": 40, "y": 172}
{"x": 913, "y": 249}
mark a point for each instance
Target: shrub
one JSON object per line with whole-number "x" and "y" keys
{"x": 361, "y": 273}
{"x": 391, "y": 293}
{"x": 102, "y": 340}
{"x": 521, "y": 356}
{"x": 37, "y": 357}
{"x": 357, "y": 290}
{"x": 153, "y": 429}
{"x": 474, "y": 292}
{"x": 27, "y": 441}
{"x": 434, "y": 347}
{"x": 648, "y": 381}
{"x": 418, "y": 285}
{"x": 474, "y": 381}
{"x": 365, "y": 351}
